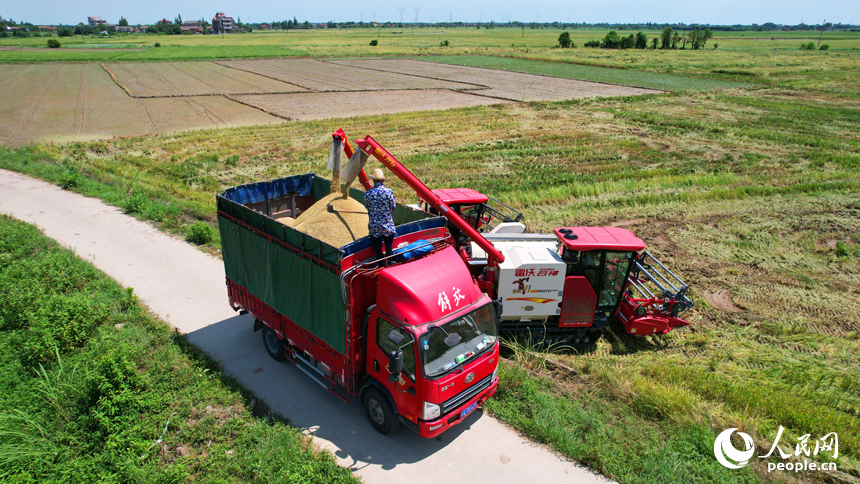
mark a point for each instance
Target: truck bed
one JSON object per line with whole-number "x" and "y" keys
{"x": 286, "y": 277}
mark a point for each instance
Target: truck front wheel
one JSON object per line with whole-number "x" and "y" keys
{"x": 379, "y": 412}
{"x": 274, "y": 345}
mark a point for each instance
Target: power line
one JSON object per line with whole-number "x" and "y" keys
{"x": 401, "y": 13}
{"x": 361, "y": 14}
{"x": 418, "y": 9}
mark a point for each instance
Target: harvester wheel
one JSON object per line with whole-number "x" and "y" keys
{"x": 379, "y": 412}
{"x": 274, "y": 345}
{"x": 640, "y": 310}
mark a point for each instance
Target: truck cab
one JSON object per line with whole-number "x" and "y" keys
{"x": 432, "y": 346}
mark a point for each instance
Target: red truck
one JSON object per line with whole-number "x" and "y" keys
{"x": 415, "y": 341}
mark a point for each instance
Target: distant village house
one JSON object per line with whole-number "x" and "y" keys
{"x": 222, "y": 24}
{"x": 96, "y": 21}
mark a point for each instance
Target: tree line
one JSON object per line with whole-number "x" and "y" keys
{"x": 669, "y": 39}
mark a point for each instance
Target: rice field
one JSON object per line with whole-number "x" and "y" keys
{"x": 163, "y": 79}
{"x": 73, "y": 102}
{"x": 749, "y": 193}
{"x": 69, "y": 102}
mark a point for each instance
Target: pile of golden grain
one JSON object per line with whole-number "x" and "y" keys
{"x": 336, "y": 229}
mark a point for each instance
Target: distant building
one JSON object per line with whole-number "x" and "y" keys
{"x": 48, "y": 28}
{"x": 264, "y": 26}
{"x": 125, "y": 28}
{"x": 222, "y": 24}
{"x": 192, "y": 28}
{"x": 165, "y": 21}
{"x": 96, "y": 21}
{"x": 191, "y": 23}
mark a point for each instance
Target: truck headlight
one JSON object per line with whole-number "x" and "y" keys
{"x": 431, "y": 411}
{"x": 495, "y": 374}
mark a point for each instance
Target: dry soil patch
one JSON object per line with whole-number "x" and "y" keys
{"x": 722, "y": 300}
{"x": 74, "y": 102}
{"x": 324, "y": 76}
{"x": 324, "y": 105}
{"x": 163, "y": 79}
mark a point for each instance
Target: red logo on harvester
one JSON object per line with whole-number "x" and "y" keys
{"x": 531, "y": 272}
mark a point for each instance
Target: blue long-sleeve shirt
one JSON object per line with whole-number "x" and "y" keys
{"x": 380, "y": 203}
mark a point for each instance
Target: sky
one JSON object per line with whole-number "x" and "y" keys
{"x": 713, "y": 12}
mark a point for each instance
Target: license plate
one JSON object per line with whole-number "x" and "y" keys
{"x": 468, "y": 410}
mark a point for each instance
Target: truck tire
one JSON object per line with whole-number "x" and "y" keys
{"x": 274, "y": 345}
{"x": 379, "y": 412}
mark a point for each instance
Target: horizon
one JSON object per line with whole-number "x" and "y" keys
{"x": 790, "y": 12}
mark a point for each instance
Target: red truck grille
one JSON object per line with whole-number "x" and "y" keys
{"x": 466, "y": 395}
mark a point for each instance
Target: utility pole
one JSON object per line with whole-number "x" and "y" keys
{"x": 401, "y": 14}
{"x": 417, "y": 9}
{"x": 361, "y": 14}
{"x": 822, "y": 32}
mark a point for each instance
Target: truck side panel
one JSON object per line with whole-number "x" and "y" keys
{"x": 299, "y": 289}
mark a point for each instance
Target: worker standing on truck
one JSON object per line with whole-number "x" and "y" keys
{"x": 380, "y": 202}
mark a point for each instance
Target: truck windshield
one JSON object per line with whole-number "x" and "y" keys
{"x": 477, "y": 331}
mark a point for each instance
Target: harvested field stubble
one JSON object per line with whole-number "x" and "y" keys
{"x": 168, "y": 79}
{"x": 322, "y": 105}
{"x": 336, "y": 228}
{"x": 317, "y": 75}
{"x": 514, "y": 86}
{"x": 71, "y": 102}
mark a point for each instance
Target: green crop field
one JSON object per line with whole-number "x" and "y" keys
{"x": 749, "y": 193}
{"x": 90, "y": 381}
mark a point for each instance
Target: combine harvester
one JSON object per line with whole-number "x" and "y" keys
{"x": 565, "y": 287}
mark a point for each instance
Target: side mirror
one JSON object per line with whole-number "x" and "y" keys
{"x": 395, "y": 337}
{"x": 395, "y": 365}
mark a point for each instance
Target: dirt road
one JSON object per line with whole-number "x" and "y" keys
{"x": 186, "y": 288}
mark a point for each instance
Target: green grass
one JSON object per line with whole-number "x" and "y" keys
{"x": 89, "y": 383}
{"x": 166, "y": 53}
{"x": 615, "y": 440}
{"x": 565, "y": 70}
{"x": 733, "y": 54}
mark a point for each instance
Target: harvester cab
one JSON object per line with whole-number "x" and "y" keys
{"x": 482, "y": 212}
{"x": 625, "y": 281}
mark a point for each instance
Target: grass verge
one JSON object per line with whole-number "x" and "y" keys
{"x": 93, "y": 388}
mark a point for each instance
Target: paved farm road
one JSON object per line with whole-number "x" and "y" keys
{"x": 186, "y": 288}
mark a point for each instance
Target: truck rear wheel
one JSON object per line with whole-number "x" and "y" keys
{"x": 379, "y": 412}
{"x": 274, "y": 345}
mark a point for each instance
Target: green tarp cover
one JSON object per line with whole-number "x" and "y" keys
{"x": 301, "y": 290}
{"x": 304, "y": 291}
